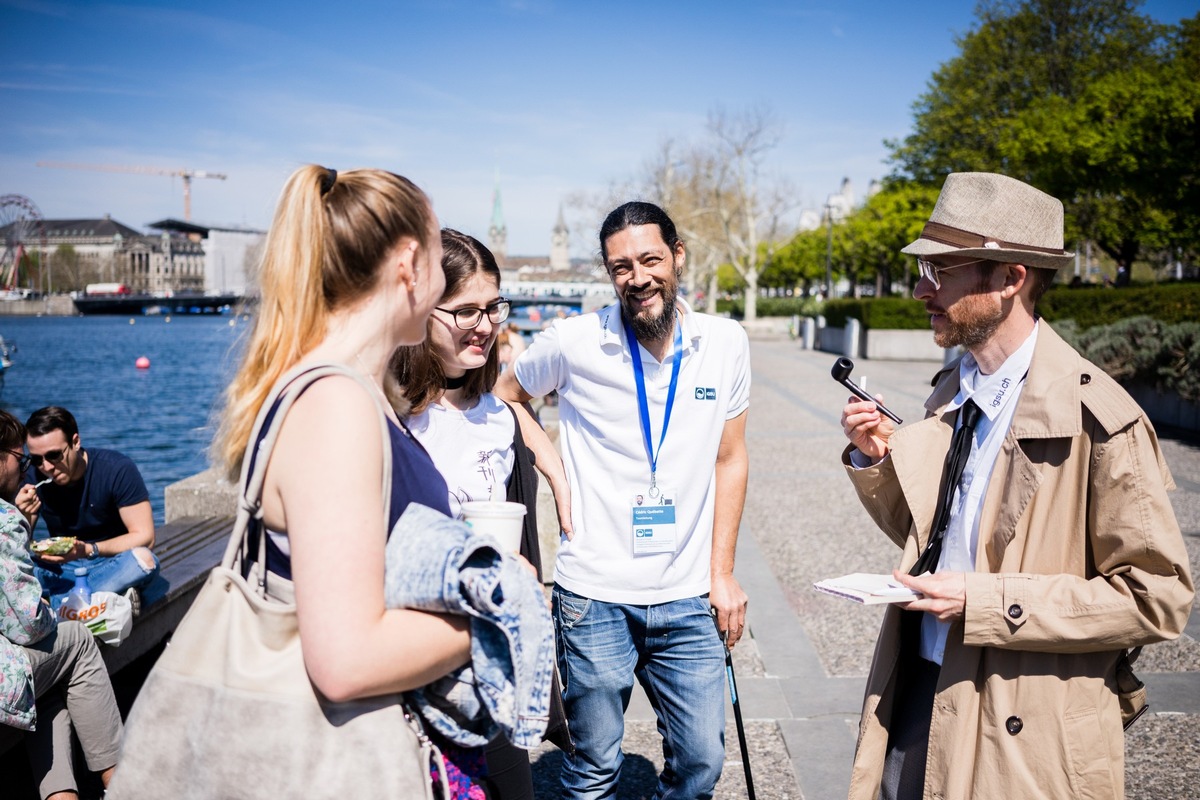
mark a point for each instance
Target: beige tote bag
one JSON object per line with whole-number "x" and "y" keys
{"x": 228, "y": 710}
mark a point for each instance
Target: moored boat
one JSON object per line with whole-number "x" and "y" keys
{"x": 134, "y": 304}
{"x": 7, "y": 349}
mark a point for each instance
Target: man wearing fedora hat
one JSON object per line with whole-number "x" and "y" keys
{"x": 1043, "y": 549}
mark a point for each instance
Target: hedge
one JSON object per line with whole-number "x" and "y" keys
{"x": 878, "y": 312}
{"x": 1143, "y": 350}
{"x": 1166, "y": 302}
{"x": 1169, "y": 303}
{"x": 1141, "y": 334}
{"x": 772, "y": 307}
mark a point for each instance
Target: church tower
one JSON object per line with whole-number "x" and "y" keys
{"x": 497, "y": 232}
{"x": 560, "y": 253}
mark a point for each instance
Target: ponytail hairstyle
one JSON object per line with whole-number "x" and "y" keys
{"x": 417, "y": 368}
{"x": 331, "y": 234}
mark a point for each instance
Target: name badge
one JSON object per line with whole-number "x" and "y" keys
{"x": 653, "y": 521}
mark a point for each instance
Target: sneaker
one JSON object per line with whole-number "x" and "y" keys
{"x": 135, "y": 600}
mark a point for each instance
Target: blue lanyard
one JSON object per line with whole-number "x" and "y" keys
{"x": 644, "y": 407}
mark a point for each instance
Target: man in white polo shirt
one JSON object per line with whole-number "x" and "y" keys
{"x": 636, "y": 584}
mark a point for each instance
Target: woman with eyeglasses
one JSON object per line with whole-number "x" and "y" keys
{"x": 351, "y": 270}
{"x": 470, "y": 433}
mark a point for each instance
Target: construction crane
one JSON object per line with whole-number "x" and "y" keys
{"x": 186, "y": 174}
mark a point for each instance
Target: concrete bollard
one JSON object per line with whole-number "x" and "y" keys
{"x": 851, "y": 337}
{"x": 808, "y": 333}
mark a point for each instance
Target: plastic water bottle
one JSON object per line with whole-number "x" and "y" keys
{"x": 79, "y": 599}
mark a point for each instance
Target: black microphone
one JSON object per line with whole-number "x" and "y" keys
{"x": 841, "y": 373}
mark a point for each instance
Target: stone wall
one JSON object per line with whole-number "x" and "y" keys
{"x": 885, "y": 345}
{"x": 208, "y": 494}
{"x": 58, "y": 305}
{"x": 895, "y": 345}
{"x": 1166, "y": 409}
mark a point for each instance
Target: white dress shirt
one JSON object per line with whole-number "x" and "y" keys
{"x": 996, "y": 395}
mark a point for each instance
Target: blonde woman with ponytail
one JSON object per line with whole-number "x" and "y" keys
{"x": 351, "y": 270}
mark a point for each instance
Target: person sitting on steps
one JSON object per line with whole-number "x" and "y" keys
{"x": 52, "y": 677}
{"x": 97, "y": 496}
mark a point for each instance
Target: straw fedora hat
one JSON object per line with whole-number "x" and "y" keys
{"x": 985, "y": 215}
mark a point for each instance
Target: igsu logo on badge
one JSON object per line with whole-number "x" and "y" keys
{"x": 706, "y": 393}
{"x": 642, "y": 533}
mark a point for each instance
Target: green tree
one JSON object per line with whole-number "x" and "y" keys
{"x": 32, "y": 273}
{"x": 873, "y": 234}
{"x": 798, "y": 264}
{"x": 724, "y": 201}
{"x": 1086, "y": 99}
{"x": 729, "y": 282}
{"x": 1021, "y": 52}
{"x": 865, "y": 246}
{"x": 65, "y": 263}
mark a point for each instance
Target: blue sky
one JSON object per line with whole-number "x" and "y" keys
{"x": 560, "y": 97}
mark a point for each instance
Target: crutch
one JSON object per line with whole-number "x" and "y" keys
{"x": 737, "y": 709}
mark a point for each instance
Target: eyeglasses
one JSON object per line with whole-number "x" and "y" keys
{"x": 468, "y": 319}
{"x": 23, "y": 461}
{"x": 930, "y": 270}
{"x": 53, "y": 455}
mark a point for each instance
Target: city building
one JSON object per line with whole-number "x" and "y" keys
{"x": 560, "y": 239}
{"x": 231, "y": 254}
{"x": 497, "y": 231}
{"x": 182, "y": 258}
{"x": 553, "y": 277}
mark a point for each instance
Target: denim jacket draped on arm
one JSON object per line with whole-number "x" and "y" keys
{"x": 438, "y": 564}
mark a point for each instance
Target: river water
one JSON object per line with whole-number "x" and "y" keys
{"x": 162, "y": 417}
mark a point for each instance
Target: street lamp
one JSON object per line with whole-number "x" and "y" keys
{"x": 829, "y": 251}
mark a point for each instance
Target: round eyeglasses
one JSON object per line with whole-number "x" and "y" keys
{"x": 928, "y": 269}
{"x": 468, "y": 319}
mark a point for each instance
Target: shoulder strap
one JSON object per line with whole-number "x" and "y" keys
{"x": 523, "y": 488}
{"x": 254, "y": 464}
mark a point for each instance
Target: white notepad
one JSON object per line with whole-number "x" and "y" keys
{"x": 867, "y": 588}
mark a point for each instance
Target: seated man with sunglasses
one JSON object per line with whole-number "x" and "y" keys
{"x": 54, "y": 682}
{"x": 97, "y": 496}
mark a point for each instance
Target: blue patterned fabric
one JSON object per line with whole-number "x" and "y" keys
{"x": 438, "y": 564}
{"x": 24, "y": 620}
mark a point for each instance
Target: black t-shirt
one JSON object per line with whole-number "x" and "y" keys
{"x": 90, "y": 509}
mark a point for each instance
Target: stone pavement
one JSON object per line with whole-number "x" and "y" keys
{"x": 801, "y": 672}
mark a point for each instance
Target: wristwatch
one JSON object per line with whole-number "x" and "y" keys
{"x": 95, "y": 550}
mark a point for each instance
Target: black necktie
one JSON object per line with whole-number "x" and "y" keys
{"x": 956, "y": 461}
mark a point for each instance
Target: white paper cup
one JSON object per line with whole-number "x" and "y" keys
{"x": 501, "y": 521}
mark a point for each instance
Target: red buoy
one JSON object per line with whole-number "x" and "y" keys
{"x": 142, "y": 363}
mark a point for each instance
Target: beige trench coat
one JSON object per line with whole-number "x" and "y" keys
{"x": 1079, "y": 556}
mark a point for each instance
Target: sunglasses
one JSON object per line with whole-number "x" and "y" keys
{"x": 930, "y": 270}
{"x": 23, "y": 461}
{"x": 468, "y": 319}
{"x": 52, "y": 455}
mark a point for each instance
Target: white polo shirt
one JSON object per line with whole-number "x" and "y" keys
{"x": 586, "y": 359}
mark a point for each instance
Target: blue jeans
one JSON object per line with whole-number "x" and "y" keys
{"x": 675, "y": 653}
{"x": 105, "y": 574}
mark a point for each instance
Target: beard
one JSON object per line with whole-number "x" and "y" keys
{"x": 654, "y": 328}
{"x": 969, "y": 323}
